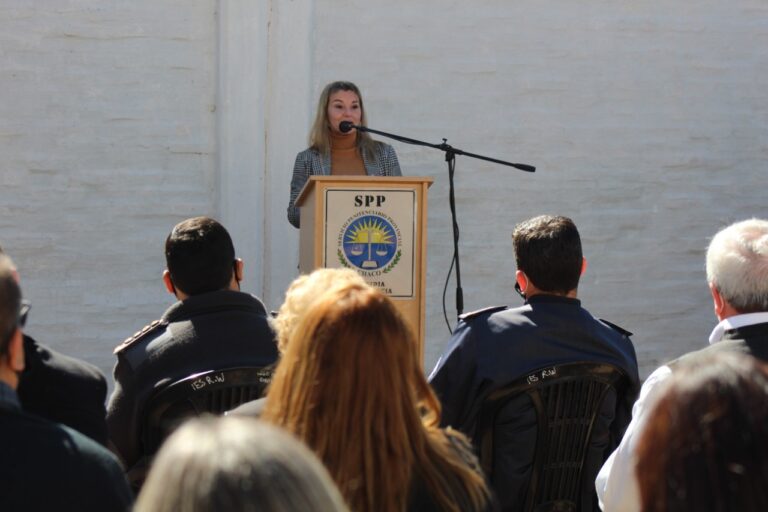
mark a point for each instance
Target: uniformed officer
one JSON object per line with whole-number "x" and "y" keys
{"x": 213, "y": 326}
{"x": 494, "y": 347}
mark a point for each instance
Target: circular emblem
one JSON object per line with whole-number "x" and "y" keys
{"x": 369, "y": 242}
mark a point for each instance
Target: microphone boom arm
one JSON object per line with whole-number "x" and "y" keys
{"x": 446, "y": 148}
{"x": 450, "y": 154}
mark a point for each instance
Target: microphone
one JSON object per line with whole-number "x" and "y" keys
{"x": 346, "y": 126}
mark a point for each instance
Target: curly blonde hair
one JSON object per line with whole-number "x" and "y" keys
{"x": 302, "y": 292}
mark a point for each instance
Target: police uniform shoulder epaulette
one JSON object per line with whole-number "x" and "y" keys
{"x": 130, "y": 340}
{"x": 472, "y": 314}
{"x": 616, "y": 327}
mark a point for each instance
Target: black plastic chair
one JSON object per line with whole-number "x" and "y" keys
{"x": 567, "y": 399}
{"x": 213, "y": 392}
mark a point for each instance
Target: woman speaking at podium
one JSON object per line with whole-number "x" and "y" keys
{"x": 337, "y": 153}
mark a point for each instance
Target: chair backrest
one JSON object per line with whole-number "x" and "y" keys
{"x": 213, "y": 392}
{"x": 567, "y": 400}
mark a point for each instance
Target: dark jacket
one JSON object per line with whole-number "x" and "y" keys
{"x": 204, "y": 332}
{"x": 494, "y": 347}
{"x": 47, "y": 466}
{"x": 64, "y": 390}
{"x": 751, "y": 340}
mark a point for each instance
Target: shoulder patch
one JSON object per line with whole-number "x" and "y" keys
{"x": 616, "y": 327}
{"x": 140, "y": 334}
{"x": 472, "y": 314}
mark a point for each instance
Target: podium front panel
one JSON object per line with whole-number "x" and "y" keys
{"x": 375, "y": 225}
{"x": 373, "y": 232}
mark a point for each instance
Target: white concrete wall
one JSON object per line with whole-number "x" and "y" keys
{"x": 108, "y": 138}
{"x": 243, "y": 31}
{"x": 647, "y": 122}
{"x": 289, "y": 107}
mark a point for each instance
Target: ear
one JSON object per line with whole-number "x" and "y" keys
{"x": 583, "y": 266}
{"x": 16, "y": 352}
{"x": 239, "y": 266}
{"x": 718, "y": 302}
{"x": 522, "y": 280}
{"x": 168, "y": 282}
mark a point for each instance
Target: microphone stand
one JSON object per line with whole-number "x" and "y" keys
{"x": 450, "y": 158}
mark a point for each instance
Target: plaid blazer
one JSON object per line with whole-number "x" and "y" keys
{"x": 310, "y": 162}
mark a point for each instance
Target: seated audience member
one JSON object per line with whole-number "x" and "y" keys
{"x": 236, "y": 465}
{"x": 300, "y": 294}
{"x": 213, "y": 326}
{"x": 497, "y": 346}
{"x": 63, "y": 389}
{"x": 704, "y": 446}
{"x": 737, "y": 273}
{"x": 44, "y": 465}
{"x": 350, "y": 386}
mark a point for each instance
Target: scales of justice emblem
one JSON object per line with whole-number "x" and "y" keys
{"x": 370, "y": 242}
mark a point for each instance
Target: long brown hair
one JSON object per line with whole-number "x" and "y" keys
{"x": 350, "y": 385}
{"x": 320, "y": 135}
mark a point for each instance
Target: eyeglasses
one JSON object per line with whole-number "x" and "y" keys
{"x": 23, "y": 313}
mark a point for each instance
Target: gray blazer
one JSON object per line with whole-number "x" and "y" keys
{"x": 310, "y": 162}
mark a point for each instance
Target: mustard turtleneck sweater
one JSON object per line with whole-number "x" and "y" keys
{"x": 345, "y": 158}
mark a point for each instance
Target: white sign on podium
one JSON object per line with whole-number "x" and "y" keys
{"x": 373, "y": 232}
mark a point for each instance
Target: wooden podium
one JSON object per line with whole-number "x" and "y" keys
{"x": 376, "y": 225}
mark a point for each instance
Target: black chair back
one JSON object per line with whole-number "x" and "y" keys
{"x": 213, "y": 392}
{"x": 567, "y": 400}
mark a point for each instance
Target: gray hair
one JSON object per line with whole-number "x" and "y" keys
{"x": 737, "y": 265}
{"x": 10, "y": 301}
{"x": 236, "y": 464}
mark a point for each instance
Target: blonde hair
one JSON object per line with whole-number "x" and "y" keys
{"x": 350, "y": 386}
{"x": 238, "y": 465}
{"x": 304, "y": 290}
{"x": 320, "y": 135}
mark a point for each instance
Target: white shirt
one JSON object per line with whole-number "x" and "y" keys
{"x": 617, "y": 489}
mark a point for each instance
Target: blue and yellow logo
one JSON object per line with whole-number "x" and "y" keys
{"x": 370, "y": 242}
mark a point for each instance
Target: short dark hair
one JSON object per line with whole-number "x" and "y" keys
{"x": 10, "y": 303}
{"x": 548, "y": 250}
{"x": 200, "y": 256}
